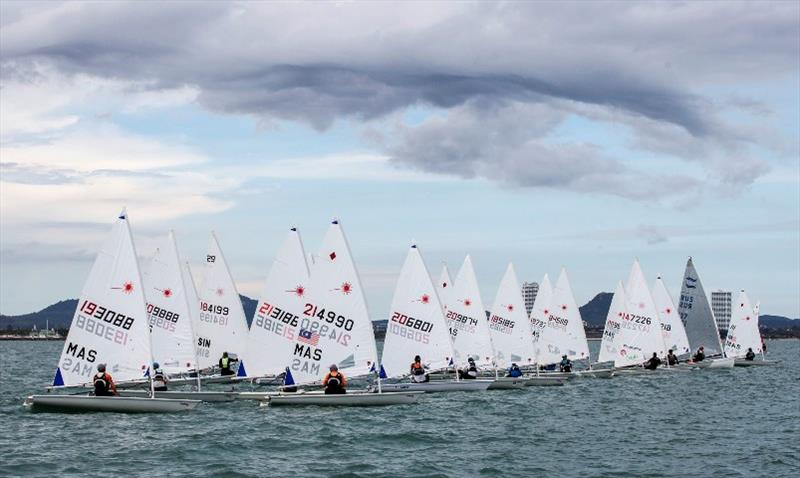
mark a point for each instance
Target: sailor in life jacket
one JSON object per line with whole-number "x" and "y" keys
{"x": 225, "y": 364}
{"x": 417, "y": 371}
{"x": 566, "y": 364}
{"x": 159, "y": 378}
{"x": 103, "y": 383}
{"x": 334, "y": 381}
{"x": 470, "y": 372}
{"x": 514, "y": 371}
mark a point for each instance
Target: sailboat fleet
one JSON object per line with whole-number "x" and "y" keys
{"x": 311, "y": 315}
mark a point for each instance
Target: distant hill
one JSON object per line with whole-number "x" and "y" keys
{"x": 59, "y": 315}
{"x": 593, "y": 312}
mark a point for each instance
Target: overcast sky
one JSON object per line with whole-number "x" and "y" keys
{"x": 576, "y": 134}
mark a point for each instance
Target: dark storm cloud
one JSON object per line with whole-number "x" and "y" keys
{"x": 643, "y": 64}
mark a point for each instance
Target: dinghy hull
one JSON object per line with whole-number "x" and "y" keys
{"x": 439, "y": 386}
{"x": 344, "y": 400}
{"x": 722, "y": 362}
{"x": 85, "y": 403}
{"x": 508, "y": 383}
{"x": 545, "y": 381}
{"x": 183, "y": 395}
{"x": 740, "y": 362}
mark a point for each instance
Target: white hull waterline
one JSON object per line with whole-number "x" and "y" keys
{"x": 184, "y": 395}
{"x": 439, "y": 386}
{"x": 544, "y": 381}
{"x": 721, "y": 362}
{"x": 740, "y": 362}
{"x": 86, "y": 403}
{"x": 344, "y": 400}
{"x": 508, "y": 383}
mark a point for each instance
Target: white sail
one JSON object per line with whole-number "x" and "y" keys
{"x": 640, "y": 334}
{"x": 273, "y": 332}
{"x": 110, "y": 322}
{"x": 335, "y": 327}
{"x": 538, "y": 319}
{"x": 696, "y": 314}
{"x": 222, "y": 326}
{"x": 743, "y": 330}
{"x": 508, "y": 324}
{"x": 416, "y": 322}
{"x": 563, "y": 333}
{"x": 466, "y": 318}
{"x": 608, "y": 346}
{"x": 444, "y": 287}
{"x": 168, "y": 310}
{"x": 194, "y": 306}
{"x": 672, "y": 329}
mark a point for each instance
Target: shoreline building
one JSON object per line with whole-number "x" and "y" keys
{"x": 529, "y": 291}
{"x": 721, "y": 306}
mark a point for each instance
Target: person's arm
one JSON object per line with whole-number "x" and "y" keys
{"x": 344, "y": 380}
{"x": 325, "y": 380}
{"x": 112, "y": 385}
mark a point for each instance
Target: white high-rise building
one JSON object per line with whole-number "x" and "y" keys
{"x": 529, "y": 291}
{"x": 721, "y": 305}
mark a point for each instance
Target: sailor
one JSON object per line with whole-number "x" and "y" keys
{"x": 417, "y": 371}
{"x": 763, "y": 346}
{"x": 514, "y": 371}
{"x": 700, "y": 355}
{"x": 653, "y": 363}
{"x": 566, "y": 364}
{"x": 750, "y": 355}
{"x": 103, "y": 383}
{"x": 159, "y": 378}
{"x": 470, "y": 372}
{"x": 225, "y": 364}
{"x": 334, "y": 381}
{"x": 672, "y": 359}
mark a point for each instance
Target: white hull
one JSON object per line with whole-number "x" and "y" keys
{"x": 508, "y": 383}
{"x": 740, "y": 362}
{"x": 85, "y": 403}
{"x": 722, "y": 362}
{"x": 344, "y": 400}
{"x": 183, "y": 395}
{"x": 544, "y": 381}
{"x": 438, "y": 386}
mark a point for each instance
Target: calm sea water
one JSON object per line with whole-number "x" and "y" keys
{"x": 739, "y": 422}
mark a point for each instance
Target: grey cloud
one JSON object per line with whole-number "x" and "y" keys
{"x": 288, "y": 62}
{"x": 506, "y": 144}
{"x": 644, "y": 65}
{"x": 651, "y": 234}
{"x": 17, "y": 173}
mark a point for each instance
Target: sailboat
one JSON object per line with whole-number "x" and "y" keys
{"x": 698, "y": 320}
{"x": 273, "y": 332}
{"x": 109, "y": 327}
{"x": 672, "y": 329}
{"x": 743, "y": 334}
{"x": 172, "y": 304}
{"x": 417, "y": 327}
{"x": 333, "y": 328}
{"x": 466, "y": 318}
{"x": 558, "y": 323}
{"x": 221, "y": 324}
{"x": 639, "y": 336}
{"x": 608, "y": 344}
